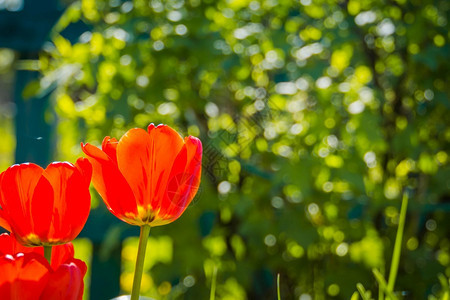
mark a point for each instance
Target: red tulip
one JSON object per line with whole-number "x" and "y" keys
{"x": 45, "y": 207}
{"x": 23, "y": 276}
{"x": 66, "y": 278}
{"x": 60, "y": 253}
{"x": 148, "y": 177}
{"x": 28, "y": 275}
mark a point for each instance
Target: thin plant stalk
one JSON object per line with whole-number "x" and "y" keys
{"x": 278, "y": 287}
{"x": 212, "y": 294}
{"x": 398, "y": 244}
{"x": 380, "y": 288}
{"x": 48, "y": 253}
{"x": 143, "y": 237}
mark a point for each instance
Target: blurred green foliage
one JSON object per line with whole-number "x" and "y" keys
{"x": 314, "y": 116}
{"x": 7, "y": 146}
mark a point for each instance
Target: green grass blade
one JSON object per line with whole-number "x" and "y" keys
{"x": 212, "y": 294}
{"x": 380, "y": 288}
{"x": 355, "y": 296}
{"x": 362, "y": 291}
{"x": 278, "y": 287}
{"x": 383, "y": 285}
{"x": 398, "y": 244}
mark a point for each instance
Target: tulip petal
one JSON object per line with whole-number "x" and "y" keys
{"x": 23, "y": 276}
{"x": 110, "y": 183}
{"x": 4, "y": 223}
{"x": 145, "y": 159}
{"x": 42, "y": 205}
{"x": 61, "y": 254}
{"x": 9, "y": 245}
{"x": 183, "y": 182}
{"x": 72, "y": 200}
{"x": 30, "y": 199}
{"x": 66, "y": 282}
{"x": 85, "y": 168}
{"x": 109, "y": 146}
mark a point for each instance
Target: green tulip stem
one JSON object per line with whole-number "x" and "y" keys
{"x": 48, "y": 253}
{"x": 145, "y": 231}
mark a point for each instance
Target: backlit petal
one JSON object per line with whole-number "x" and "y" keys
{"x": 61, "y": 254}
{"x": 18, "y": 186}
{"x": 23, "y": 276}
{"x": 110, "y": 183}
{"x": 145, "y": 159}
{"x": 66, "y": 282}
{"x": 9, "y": 245}
{"x": 85, "y": 168}
{"x": 109, "y": 146}
{"x": 4, "y": 223}
{"x": 42, "y": 207}
{"x": 72, "y": 200}
{"x": 183, "y": 182}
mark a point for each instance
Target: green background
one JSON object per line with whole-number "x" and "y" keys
{"x": 314, "y": 116}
